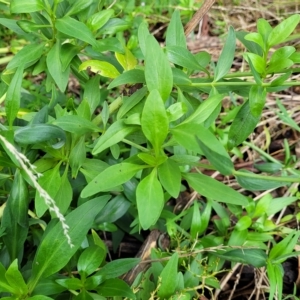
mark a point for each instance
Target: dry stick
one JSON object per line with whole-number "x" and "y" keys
{"x": 197, "y": 17}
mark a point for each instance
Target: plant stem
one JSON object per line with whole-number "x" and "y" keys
{"x": 264, "y": 177}
{"x": 135, "y": 145}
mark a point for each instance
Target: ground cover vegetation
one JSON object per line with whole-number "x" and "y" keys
{"x": 113, "y": 138}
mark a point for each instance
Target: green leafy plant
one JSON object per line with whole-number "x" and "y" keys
{"x": 111, "y": 160}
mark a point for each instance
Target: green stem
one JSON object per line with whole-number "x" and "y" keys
{"x": 135, "y": 145}
{"x": 263, "y": 153}
{"x": 264, "y": 177}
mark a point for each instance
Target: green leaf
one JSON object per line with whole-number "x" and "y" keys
{"x": 257, "y": 100}
{"x": 41, "y": 133}
{"x": 176, "y": 111}
{"x": 13, "y": 94}
{"x": 50, "y": 182}
{"x": 15, "y": 217}
{"x": 118, "y": 267}
{"x": 113, "y": 135}
{"x": 278, "y": 204}
{"x": 19, "y": 6}
{"x": 67, "y": 53}
{"x": 264, "y": 29}
{"x": 170, "y": 177}
{"x": 126, "y": 60}
{"x": 12, "y": 25}
{"x": 154, "y": 120}
{"x": 150, "y": 200}
{"x": 113, "y": 26}
{"x": 16, "y": 280}
{"x": 129, "y": 77}
{"x": 4, "y": 285}
{"x": 169, "y": 273}
{"x": 27, "y": 56}
{"x": 243, "y": 125}
{"x": 103, "y": 68}
{"x": 143, "y": 33}
{"x": 75, "y": 124}
{"x": 99, "y": 19}
{"x": 76, "y": 29}
{"x": 92, "y": 92}
{"x": 226, "y": 57}
{"x": 257, "y": 61}
{"x": 78, "y": 6}
{"x": 196, "y": 221}
{"x": 214, "y": 151}
{"x": 254, "y": 257}
{"x": 256, "y": 38}
{"x": 39, "y": 297}
{"x": 175, "y": 32}
{"x": 258, "y": 184}
{"x": 158, "y": 72}
{"x": 77, "y": 156}
{"x": 70, "y": 283}
{"x": 111, "y": 177}
{"x": 84, "y": 295}
{"x": 243, "y": 223}
{"x": 114, "y": 288}
{"x": 55, "y": 68}
{"x": 204, "y": 110}
{"x": 54, "y": 252}
{"x": 216, "y": 191}
{"x": 283, "y": 30}
{"x": 90, "y": 259}
{"x": 182, "y": 57}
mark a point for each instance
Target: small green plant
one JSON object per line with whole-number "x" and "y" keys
{"x": 112, "y": 157}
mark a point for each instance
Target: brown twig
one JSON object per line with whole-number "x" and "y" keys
{"x": 197, "y": 17}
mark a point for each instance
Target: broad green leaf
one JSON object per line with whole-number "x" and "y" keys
{"x": 67, "y": 53}
{"x": 150, "y": 200}
{"x": 113, "y": 135}
{"x": 258, "y": 184}
{"x": 103, "y": 68}
{"x": 78, "y": 6}
{"x": 127, "y": 60}
{"x": 133, "y": 100}
{"x": 258, "y": 62}
{"x": 118, "y": 267}
{"x": 154, "y": 120}
{"x": 41, "y": 133}
{"x": 185, "y": 135}
{"x": 195, "y": 221}
{"x": 254, "y": 257}
{"x": 99, "y": 19}
{"x": 176, "y": 111}
{"x": 15, "y": 217}
{"x": 257, "y": 100}
{"x": 256, "y": 38}
{"x": 175, "y": 32}
{"x": 19, "y": 6}
{"x": 243, "y": 223}
{"x": 169, "y": 273}
{"x": 281, "y": 79}
{"x": 251, "y": 46}
{"x": 214, "y": 151}
{"x": 184, "y": 58}
{"x": 12, "y": 100}
{"x": 76, "y": 29}
{"x": 226, "y": 57}
{"x": 4, "y": 285}
{"x": 216, "y": 191}
{"x": 70, "y": 283}
{"x": 243, "y": 125}
{"x": 75, "y": 124}
{"x": 27, "y": 56}
{"x": 158, "y": 72}
{"x": 16, "y": 280}
{"x": 282, "y": 31}
{"x": 264, "y": 29}
{"x": 152, "y": 160}
{"x": 90, "y": 259}
{"x": 204, "y": 110}
{"x": 84, "y": 295}
{"x": 143, "y": 33}
{"x": 39, "y": 297}
{"x": 64, "y": 195}
{"x": 278, "y": 204}
{"x": 92, "y": 167}
{"x": 170, "y": 177}
{"x": 92, "y": 92}
{"x": 50, "y": 182}
{"x": 111, "y": 177}
{"x": 108, "y": 44}
{"x": 115, "y": 287}
{"x": 54, "y": 252}
{"x": 77, "y": 156}
{"x": 180, "y": 78}
{"x": 129, "y": 77}
{"x": 114, "y": 25}
{"x": 12, "y": 25}
{"x": 55, "y": 67}
{"x": 113, "y": 210}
